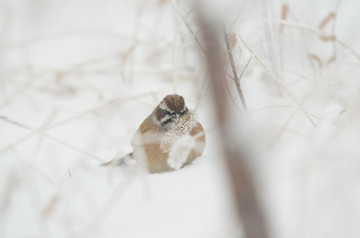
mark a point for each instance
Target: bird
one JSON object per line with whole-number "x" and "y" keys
{"x": 170, "y": 138}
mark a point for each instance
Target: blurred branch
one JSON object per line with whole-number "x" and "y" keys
{"x": 247, "y": 205}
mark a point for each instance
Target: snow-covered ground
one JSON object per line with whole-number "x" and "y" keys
{"x": 78, "y": 77}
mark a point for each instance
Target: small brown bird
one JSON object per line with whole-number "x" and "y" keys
{"x": 168, "y": 139}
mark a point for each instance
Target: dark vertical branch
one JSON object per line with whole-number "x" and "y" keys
{"x": 247, "y": 205}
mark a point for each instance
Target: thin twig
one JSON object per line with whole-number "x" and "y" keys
{"x": 35, "y": 131}
{"x": 37, "y": 171}
{"x": 189, "y": 28}
{"x": 60, "y": 34}
{"x": 246, "y": 66}
{"x": 236, "y": 77}
{"x": 281, "y": 83}
{"x": 281, "y": 106}
{"x": 346, "y": 46}
{"x": 316, "y": 31}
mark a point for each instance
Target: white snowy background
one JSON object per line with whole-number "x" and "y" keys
{"x": 78, "y": 77}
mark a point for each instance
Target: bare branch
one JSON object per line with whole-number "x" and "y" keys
{"x": 236, "y": 77}
{"x": 241, "y": 177}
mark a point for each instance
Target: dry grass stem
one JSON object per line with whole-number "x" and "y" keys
{"x": 233, "y": 68}
{"x": 280, "y": 82}
{"x": 326, "y": 20}
{"x": 190, "y": 29}
{"x": 284, "y": 15}
{"x": 36, "y": 131}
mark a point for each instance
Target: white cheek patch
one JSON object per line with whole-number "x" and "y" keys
{"x": 163, "y": 105}
{"x": 165, "y": 118}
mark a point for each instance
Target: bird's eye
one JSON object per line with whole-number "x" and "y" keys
{"x": 172, "y": 114}
{"x": 183, "y": 112}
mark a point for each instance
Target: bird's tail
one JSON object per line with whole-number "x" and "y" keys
{"x": 125, "y": 160}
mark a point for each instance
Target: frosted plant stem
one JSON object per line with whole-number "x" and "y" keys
{"x": 281, "y": 83}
